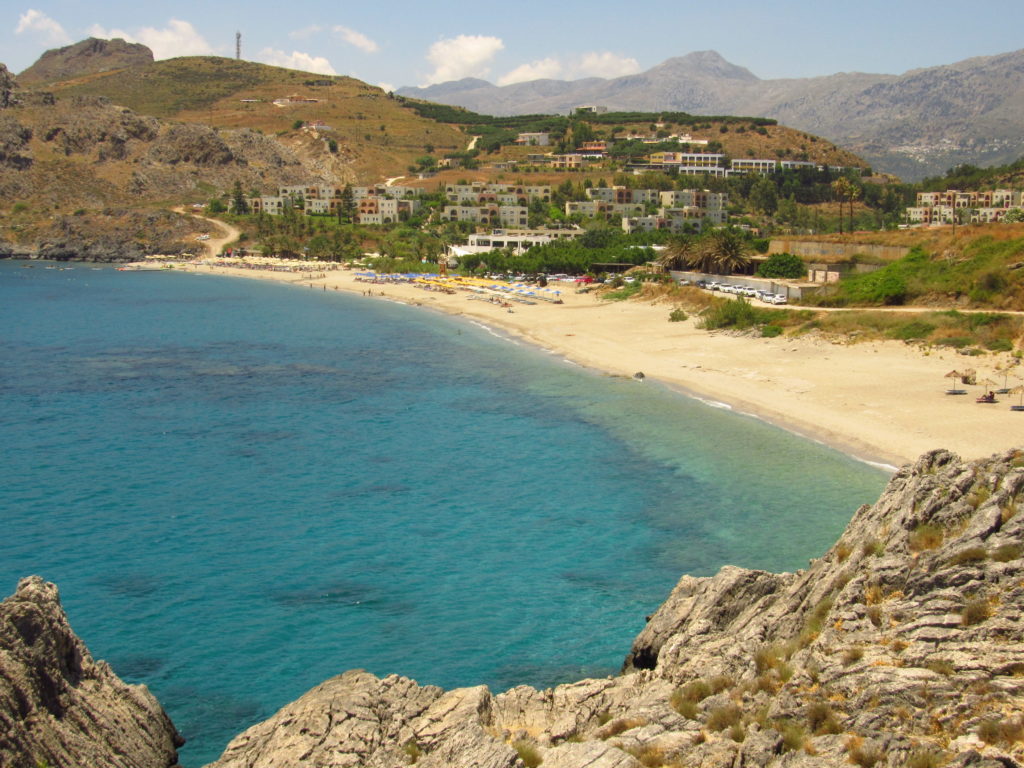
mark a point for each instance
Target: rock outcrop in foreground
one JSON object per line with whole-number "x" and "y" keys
{"x": 58, "y": 707}
{"x": 902, "y": 646}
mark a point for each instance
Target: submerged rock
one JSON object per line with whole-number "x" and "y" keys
{"x": 58, "y": 707}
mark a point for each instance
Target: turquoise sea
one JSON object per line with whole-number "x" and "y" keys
{"x": 245, "y": 488}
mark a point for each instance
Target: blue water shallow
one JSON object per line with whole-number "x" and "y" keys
{"x": 243, "y": 489}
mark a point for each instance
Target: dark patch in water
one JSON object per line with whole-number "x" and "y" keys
{"x": 136, "y": 669}
{"x": 130, "y": 584}
{"x": 207, "y": 713}
{"x": 347, "y": 593}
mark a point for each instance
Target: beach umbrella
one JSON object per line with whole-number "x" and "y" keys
{"x": 1018, "y": 390}
{"x": 1007, "y": 370}
{"x": 954, "y": 374}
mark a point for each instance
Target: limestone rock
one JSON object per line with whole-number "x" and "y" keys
{"x": 61, "y": 708}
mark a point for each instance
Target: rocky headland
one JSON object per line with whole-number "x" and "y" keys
{"x": 901, "y": 646}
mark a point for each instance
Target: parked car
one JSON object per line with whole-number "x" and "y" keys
{"x": 778, "y": 298}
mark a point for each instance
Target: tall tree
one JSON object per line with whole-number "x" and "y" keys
{"x": 238, "y": 201}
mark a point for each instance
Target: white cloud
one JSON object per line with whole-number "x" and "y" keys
{"x": 606, "y": 64}
{"x": 535, "y": 70}
{"x": 305, "y": 32}
{"x": 358, "y": 39}
{"x": 594, "y": 64}
{"x": 386, "y": 87}
{"x": 38, "y": 22}
{"x": 296, "y": 60}
{"x": 178, "y": 38}
{"x": 463, "y": 56}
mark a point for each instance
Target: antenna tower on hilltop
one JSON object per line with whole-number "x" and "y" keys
{"x": 238, "y": 45}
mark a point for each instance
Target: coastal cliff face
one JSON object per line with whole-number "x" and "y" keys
{"x": 901, "y": 646}
{"x": 58, "y": 707}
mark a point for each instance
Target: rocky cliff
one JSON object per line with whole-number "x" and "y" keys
{"x": 901, "y": 646}
{"x": 58, "y": 707}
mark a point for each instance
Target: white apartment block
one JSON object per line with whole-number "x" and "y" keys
{"x": 986, "y": 206}
{"x": 593, "y": 208}
{"x": 700, "y": 198}
{"x": 795, "y": 165}
{"x": 495, "y": 215}
{"x": 754, "y": 165}
{"x": 505, "y": 194}
{"x": 688, "y": 159}
{"x": 622, "y": 195}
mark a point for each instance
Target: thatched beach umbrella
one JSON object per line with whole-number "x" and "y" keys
{"x": 955, "y": 375}
{"x": 1018, "y": 390}
{"x": 1007, "y": 370}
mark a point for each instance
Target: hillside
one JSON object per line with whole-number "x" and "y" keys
{"x": 91, "y": 165}
{"x": 87, "y": 157}
{"x": 913, "y": 125}
{"x": 86, "y": 57}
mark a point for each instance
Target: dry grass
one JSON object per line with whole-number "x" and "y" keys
{"x": 925, "y": 537}
{"x": 975, "y": 611}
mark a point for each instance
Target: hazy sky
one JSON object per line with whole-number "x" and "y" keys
{"x": 415, "y": 42}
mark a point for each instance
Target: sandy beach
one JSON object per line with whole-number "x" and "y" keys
{"x": 882, "y": 402}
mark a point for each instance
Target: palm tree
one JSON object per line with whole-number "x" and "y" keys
{"x": 678, "y": 254}
{"x": 725, "y": 251}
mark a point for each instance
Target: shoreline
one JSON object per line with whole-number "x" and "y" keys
{"x": 882, "y": 403}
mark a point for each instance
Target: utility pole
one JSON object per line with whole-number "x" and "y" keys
{"x": 238, "y": 45}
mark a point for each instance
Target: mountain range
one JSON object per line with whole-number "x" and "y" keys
{"x": 913, "y": 125}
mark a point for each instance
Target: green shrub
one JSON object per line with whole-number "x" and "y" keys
{"x": 793, "y": 736}
{"x": 412, "y": 751}
{"x": 872, "y": 548}
{"x": 621, "y": 726}
{"x": 1006, "y": 553}
{"x": 771, "y": 331}
{"x": 721, "y": 683}
{"x": 677, "y": 316}
{"x": 782, "y": 265}
{"x": 974, "y": 612}
{"x": 925, "y": 536}
{"x": 865, "y": 755}
{"x": 724, "y": 717}
{"x": 528, "y": 753}
{"x": 684, "y": 700}
{"x": 924, "y": 758}
{"x": 941, "y": 667}
{"x": 915, "y": 329}
{"x": 967, "y": 556}
{"x": 957, "y": 342}
{"x": 821, "y": 719}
